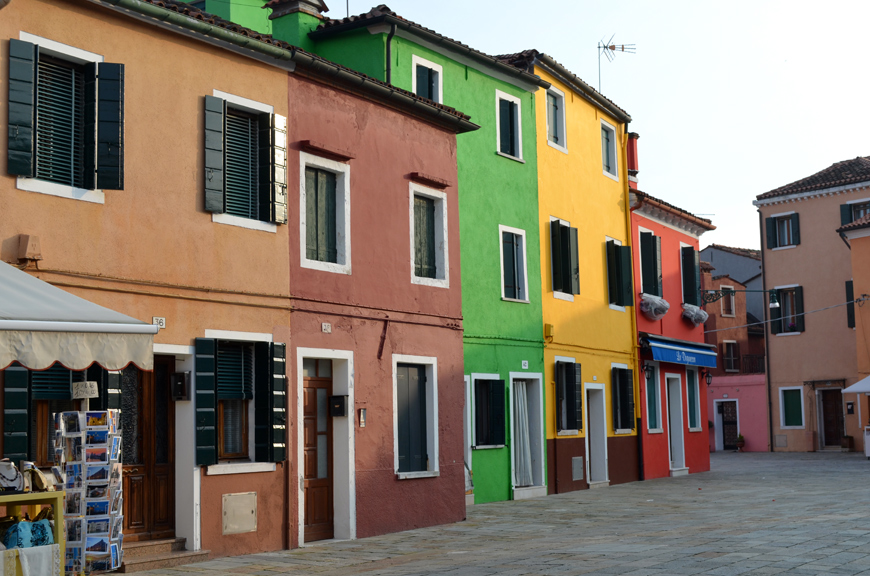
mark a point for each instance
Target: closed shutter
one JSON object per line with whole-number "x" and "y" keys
{"x": 320, "y": 215}
{"x": 770, "y": 228}
{"x": 622, "y": 386}
{"x": 573, "y": 264}
{"x": 507, "y": 127}
{"x": 16, "y": 414}
{"x": 578, "y": 396}
{"x": 424, "y": 237}
{"x": 270, "y": 403}
{"x": 737, "y": 356}
{"x": 53, "y": 383}
{"x": 612, "y": 273}
{"x": 691, "y": 275}
{"x": 242, "y": 156}
{"x": 235, "y": 371}
{"x": 411, "y": 418}
{"x": 556, "y": 255}
{"x": 110, "y": 127}
{"x": 568, "y": 383}
{"x": 273, "y": 168}
{"x": 845, "y": 213}
{"x": 795, "y": 229}
{"x": 850, "y": 307}
{"x": 792, "y": 411}
{"x": 497, "y": 412}
{"x": 21, "y": 150}
{"x": 519, "y": 261}
{"x": 692, "y": 398}
{"x": 560, "y": 394}
{"x": 424, "y": 89}
{"x": 60, "y": 119}
{"x": 649, "y": 281}
{"x": 553, "y": 118}
{"x": 799, "y": 308}
{"x": 658, "y": 272}
{"x": 626, "y": 285}
{"x": 205, "y": 365}
{"x": 776, "y": 315}
{"x": 215, "y": 127}
{"x": 509, "y": 264}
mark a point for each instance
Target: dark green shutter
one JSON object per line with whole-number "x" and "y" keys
{"x": 625, "y": 275}
{"x": 648, "y": 278}
{"x": 270, "y": 402}
{"x": 799, "y": 308}
{"x": 424, "y": 82}
{"x": 215, "y": 127}
{"x": 242, "y": 187}
{"x": 553, "y": 117}
{"x": 21, "y": 153}
{"x": 770, "y": 228}
{"x": 792, "y": 412}
{"x": 845, "y": 213}
{"x": 795, "y": 229}
{"x": 60, "y": 130}
{"x": 235, "y": 371}
{"x": 497, "y": 412}
{"x": 507, "y": 127}
{"x": 691, "y": 275}
{"x": 556, "y": 255}
{"x": 110, "y": 127}
{"x": 622, "y": 383}
{"x": 509, "y": 264}
{"x": 320, "y": 215}
{"x": 776, "y": 315}
{"x": 658, "y": 271}
{"x": 578, "y": 396}
{"x": 573, "y": 263}
{"x": 53, "y": 383}
{"x": 424, "y": 237}
{"x": 519, "y": 260}
{"x": 411, "y": 417}
{"x": 560, "y": 394}
{"x": 16, "y": 414}
{"x": 612, "y": 272}
{"x": 205, "y": 365}
{"x": 273, "y": 168}
{"x": 89, "y": 135}
{"x": 113, "y": 389}
{"x": 850, "y": 307}
{"x": 568, "y": 383}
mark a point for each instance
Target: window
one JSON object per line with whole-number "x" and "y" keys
{"x": 783, "y": 230}
{"x": 513, "y": 264}
{"x": 791, "y": 404}
{"x": 727, "y": 300}
{"x": 324, "y": 208}
{"x": 569, "y": 397}
{"x": 508, "y": 125}
{"x": 619, "y": 274}
{"x": 60, "y": 132}
{"x": 50, "y": 392}
{"x": 850, "y": 308}
{"x": 622, "y": 385}
{"x": 556, "y": 119}
{"x": 691, "y": 270}
{"x": 693, "y": 398}
{"x": 609, "y": 159}
{"x": 564, "y": 259}
{"x": 651, "y": 264}
{"x": 730, "y": 355}
{"x": 245, "y": 161}
{"x": 426, "y": 80}
{"x": 489, "y": 412}
{"x": 653, "y": 401}
{"x": 854, "y": 211}
{"x": 429, "y": 263}
{"x": 237, "y": 382}
{"x": 789, "y": 316}
{"x": 415, "y": 424}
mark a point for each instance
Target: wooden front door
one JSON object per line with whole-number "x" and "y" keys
{"x": 729, "y": 425}
{"x": 832, "y": 416}
{"x": 318, "y": 456}
{"x": 148, "y": 451}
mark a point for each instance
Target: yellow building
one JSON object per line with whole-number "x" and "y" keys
{"x": 586, "y": 278}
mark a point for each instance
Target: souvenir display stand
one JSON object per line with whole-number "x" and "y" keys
{"x": 31, "y": 503}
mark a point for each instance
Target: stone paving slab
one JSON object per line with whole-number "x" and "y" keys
{"x": 752, "y": 514}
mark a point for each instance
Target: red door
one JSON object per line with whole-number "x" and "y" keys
{"x": 318, "y": 456}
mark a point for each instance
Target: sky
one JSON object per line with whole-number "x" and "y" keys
{"x": 731, "y": 99}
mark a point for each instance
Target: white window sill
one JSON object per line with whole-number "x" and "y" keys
{"x": 611, "y": 176}
{"x": 617, "y": 308}
{"x": 696, "y": 429}
{"x": 567, "y": 433}
{"x": 557, "y": 147}
{"x": 60, "y": 190}
{"x": 433, "y": 282}
{"x": 656, "y": 431}
{"x": 623, "y": 431}
{"x": 784, "y": 247}
{"x": 248, "y": 223}
{"x": 789, "y": 333}
{"x": 514, "y": 300}
{"x": 727, "y": 315}
{"x": 563, "y": 296}
{"x": 239, "y": 468}
{"x": 413, "y": 475}
{"x": 333, "y": 267}
{"x": 791, "y": 427}
{"x": 509, "y": 157}
{"x": 488, "y": 447}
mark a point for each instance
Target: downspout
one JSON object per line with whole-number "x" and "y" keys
{"x": 766, "y": 337}
{"x": 389, "y": 77}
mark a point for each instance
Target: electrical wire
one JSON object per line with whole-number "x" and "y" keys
{"x": 860, "y": 301}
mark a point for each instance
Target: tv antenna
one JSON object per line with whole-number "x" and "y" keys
{"x": 609, "y": 49}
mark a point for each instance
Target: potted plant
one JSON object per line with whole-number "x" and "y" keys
{"x": 741, "y": 442}
{"x": 792, "y": 327}
{"x": 847, "y": 443}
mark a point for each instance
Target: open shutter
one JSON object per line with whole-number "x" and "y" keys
{"x": 795, "y": 229}
{"x": 21, "y": 152}
{"x": 648, "y": 280}
{"x": 519, "y": 259}
{"x": 612, "y": 273}
{"x": 845, "y": 213}
{"x": 691, "y": 275}
{"x": 556, "y": 255}
{"x": 110, "y": 127}
{"x": 770, "y": 228}
{"x": 215, "y": 128}
{"x": 113, "y": 389}
{"x": 270, "y": 402}
{"x": 737, "y": 356}
{"x": 850, "y": 307}
{"x": 509, "y": 264}
{"x": 658, "y": 272}
{"x": 615, "y": 398}
{"x": 205, "y": 367}
{"x": 89, "y": 132}
{"x": 497, "y": 412}
{"x": 574, "y": 262}
{"x": 16, "y": 414}
{"x": 776, "y": 315}
{"x": 625, "y": 273}
{"x": 568, "y": 379}
{"x": 578, "y": 396}
{"x": 799, "y": 308}
{"x": 273, "y": 168}
{"x": 560, "y": 394}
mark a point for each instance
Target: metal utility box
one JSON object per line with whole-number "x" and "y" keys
{"x": 239, "y": 513}
{"x": 337, "y": 406}
{"x": 180, "y": 385}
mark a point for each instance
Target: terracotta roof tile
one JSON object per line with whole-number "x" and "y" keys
{"x": 858, "y": 224}
{"x": 837, "y": 174}
{"x": 704, "y": 222}
{"x": 706, "y": 266}
{"x": 747, "y": 252}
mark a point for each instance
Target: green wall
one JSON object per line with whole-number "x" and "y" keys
{"x": 249, "y": 13}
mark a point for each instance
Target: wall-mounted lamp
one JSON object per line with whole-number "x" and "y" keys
{"x": 708, "y": 296}
{"x": 708, "y": 376}
{"x": 649, "y": 370}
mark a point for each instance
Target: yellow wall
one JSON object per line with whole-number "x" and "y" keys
{"x": 572, "y": 186}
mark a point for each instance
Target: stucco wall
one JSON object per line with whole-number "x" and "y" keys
{"x": 860, "y": 261}
{"x": 750, "y": 392}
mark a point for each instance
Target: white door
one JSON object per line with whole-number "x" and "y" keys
{"x": 596, "y": 433}
{"x": 675, "y": 422}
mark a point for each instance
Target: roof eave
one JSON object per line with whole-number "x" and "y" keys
{"x": 581, "y": 87}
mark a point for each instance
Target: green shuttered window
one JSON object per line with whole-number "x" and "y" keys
{"x": 851, "y": 212}
{"x": 651, "y": 264}
{"x": 424, "y": 237}
{"x": 691, "y": 270}
{"x": 508, "y": 122}
{"x": 565, "y": 259}
{"x": 427, "y": 83}
{"x": 241, "y": 165}
{"x": 622, "y": 386}
{"x": 60, "y": 123}
{"x": 569, "y": 396}
{"x": 607, "y": 152}
{"x": 514, "y": 266}
{"x": 489, "y": 412}
{"x": 692, "y": 397}
{"x": 783, "y": 231}
{"x": 850, "y": 307}
{"x": 320, "y": 215}
{"x": 792, "y": 410}
{"x": 652, "y": 401}
{"x": 619, "y": 274}
{"x": 555, "y": 122}
{"x": 789, "y": 317}
{"x": 411, "y": 417}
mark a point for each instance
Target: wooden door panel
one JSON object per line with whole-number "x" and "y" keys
{"x": 317, "y": 434}
{"x": 135, "y": 510}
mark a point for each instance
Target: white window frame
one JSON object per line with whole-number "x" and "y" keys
{"x": 78, "y": 56}
{"x": 776, "y": 217}
{"x": 658, "y": 399}
{"x": 730, "y": 297}
{"x": 556, "y": 294}
{"x": 697, "y": 401}
{"x": 519, "y": 232}
{"x": 615, "y": 174}
{"x": 640, "y": 258}
{"x": 560, "y": 96}
{"x": 607, "y": 276}
{"x": 431, "y": 366}
{"x": 786, "y": 287}
{"x": 474, "y": 378}
{"x": 499, "y": 96}
{"x": 442, "y": 252}
{"x": 568, "y": 360}
{"x": 342, "y": 216}
{"x": 782, "y": 425}
{"x": 418, "y": 61}
{"x": 725, "y": 355}
{"x": 852, "y": 208}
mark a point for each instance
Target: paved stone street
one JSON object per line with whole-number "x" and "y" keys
{"x": 754, "y": 513}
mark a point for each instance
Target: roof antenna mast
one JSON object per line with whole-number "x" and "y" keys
{"x": 609, "y": 49}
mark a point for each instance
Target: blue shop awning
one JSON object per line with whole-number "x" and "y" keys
{"x": 682, "y": 352}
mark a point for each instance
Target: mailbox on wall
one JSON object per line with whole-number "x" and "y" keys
{"x": 337, "y": 406}
{"x": 180, "y": 386}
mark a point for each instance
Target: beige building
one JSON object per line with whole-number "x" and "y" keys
{"x": 811, "y": 335}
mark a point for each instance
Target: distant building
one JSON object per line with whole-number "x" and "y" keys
{"x": 742, "y": 265}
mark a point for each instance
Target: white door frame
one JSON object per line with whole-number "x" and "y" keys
{"x": 343, "y": 453}
{"x": 673, "y": 463}
{"x": 588, "y": 388}
{"x": 539, "y": 463}
{"x": 719, "y": 435}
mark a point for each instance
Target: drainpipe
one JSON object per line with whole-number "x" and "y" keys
{"x": 392, "y": 33}
{"x": 766, "y": 337}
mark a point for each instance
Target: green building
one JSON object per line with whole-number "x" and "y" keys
{"x": 498, "y": 206}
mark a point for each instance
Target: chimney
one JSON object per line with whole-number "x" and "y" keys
{"x": 292, "y": 20}
{"x": 632, "y": 159}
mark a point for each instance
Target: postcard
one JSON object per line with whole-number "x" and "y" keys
{"x": 98, "y": 527}
{"x": 73, "y": 560}
{"x": 115, "y": 476}
{"x": 71, "y": 422}
{"x": 99, "y": 544}
{"x": 97, "y": 491}
{"x": 74, "y": 529}
{"x": 95, "y": 474}
{"x": 117, "y": 501}
{"x": 117, "y": 527}
{"x": 73, "y": 476}
{"x": 100, "y": 437}
{"x": 98, "y": 563}
{"x": 99, "y": 420}
{"x": 116, "y": 557}
{"x": 97, "y": 508}
{"x": 73, "y": 503}
{"x": 116, "y": 448}
{"x": 72, "y": 448}
{"x": 96, "y": 455}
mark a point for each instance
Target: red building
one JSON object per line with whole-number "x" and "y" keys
{"x": 673, "y": 356}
